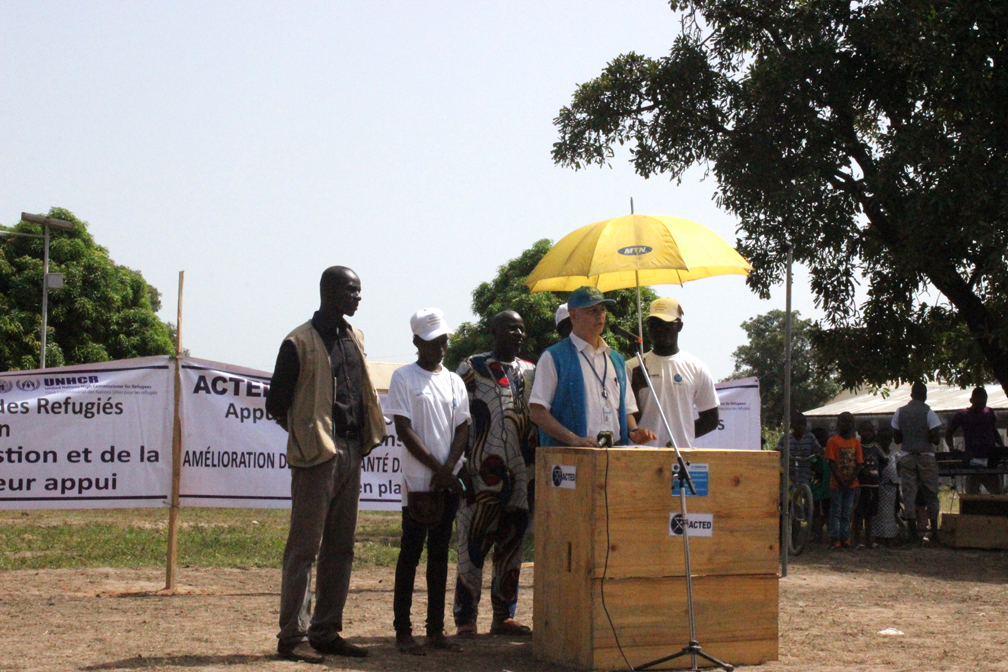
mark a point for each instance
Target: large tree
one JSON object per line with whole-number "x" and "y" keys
{"x": 105, "y": 311}
{"x": 813, "y": 382}
{"x": 871, "y": 134}
{"x": 507, "y": 291}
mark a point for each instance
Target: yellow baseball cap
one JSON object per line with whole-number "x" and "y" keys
{"x": 666, "y": 309}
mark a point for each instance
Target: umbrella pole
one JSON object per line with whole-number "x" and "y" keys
{"x": 640, "y": 320}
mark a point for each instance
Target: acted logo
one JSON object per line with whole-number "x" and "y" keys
{"x": 6, "y": 386}
{"x": 564, "y": 476}
{"x": 700, "y": 524}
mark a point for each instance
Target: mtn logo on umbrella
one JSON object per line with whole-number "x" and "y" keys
{"x": 635, "y": 250}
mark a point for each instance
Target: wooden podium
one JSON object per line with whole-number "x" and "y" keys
{"x": 733, "y": 550}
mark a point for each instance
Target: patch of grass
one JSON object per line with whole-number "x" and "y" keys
{"x": 139, "y": 538}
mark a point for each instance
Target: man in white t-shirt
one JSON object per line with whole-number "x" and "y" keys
{"x": 683, "y": 383}
{"x": 430, "y": 408}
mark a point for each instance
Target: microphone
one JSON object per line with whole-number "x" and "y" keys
{"x": 623, "y": 333}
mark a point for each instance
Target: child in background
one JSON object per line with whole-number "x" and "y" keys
{"x": 820, "y": 486}
{"x": 867, "y": 504}
{"x": 884, "y": 524}
{"x": 844, "y": 454}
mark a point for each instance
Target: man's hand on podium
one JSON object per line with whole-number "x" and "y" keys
{"x": 642, "y": 435}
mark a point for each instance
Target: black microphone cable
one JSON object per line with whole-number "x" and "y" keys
{"x": 605, "y": 568}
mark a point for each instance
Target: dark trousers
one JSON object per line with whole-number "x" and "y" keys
{"x": 438, "y": 538}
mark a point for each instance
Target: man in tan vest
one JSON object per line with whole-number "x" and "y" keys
{"x": 322, "y": 395}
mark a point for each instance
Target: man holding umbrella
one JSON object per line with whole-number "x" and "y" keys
{"x": 580, "y": 387}
{"x": 682, "y": 382}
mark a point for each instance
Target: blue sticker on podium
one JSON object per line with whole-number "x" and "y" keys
{"x": 699, "y": 474}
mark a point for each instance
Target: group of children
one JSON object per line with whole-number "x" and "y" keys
{"x": 854, "y": 480}
{"x": 864, "y": 485}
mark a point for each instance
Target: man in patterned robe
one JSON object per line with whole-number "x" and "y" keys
{"x": 499, "y": 466}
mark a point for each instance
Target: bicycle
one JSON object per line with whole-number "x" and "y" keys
{"x": 800, "y": 510}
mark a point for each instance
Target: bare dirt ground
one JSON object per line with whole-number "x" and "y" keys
{"x": 950, "y": 605}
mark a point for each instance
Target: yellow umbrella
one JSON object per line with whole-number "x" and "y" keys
{"x": 635, "y": 250}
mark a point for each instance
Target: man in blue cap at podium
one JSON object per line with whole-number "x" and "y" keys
{"x": 580, "y": 387}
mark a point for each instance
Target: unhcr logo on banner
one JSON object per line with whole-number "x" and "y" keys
{"x": 69, "y": 381}
{"x": 635, "y": 250}
{"x": 28, "y": 385}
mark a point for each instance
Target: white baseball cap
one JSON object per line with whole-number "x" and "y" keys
{"x": 429, "y": 323}
{"x": 562, "y": 313}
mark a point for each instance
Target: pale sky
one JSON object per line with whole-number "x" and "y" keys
{"x": 254, "y": 144}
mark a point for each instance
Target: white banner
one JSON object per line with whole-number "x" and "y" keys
{"x": 738, "y": 417}
{"x": 381, "y": 472}
{"x": 234, "y": 454}
{"x": 89, "y": 436}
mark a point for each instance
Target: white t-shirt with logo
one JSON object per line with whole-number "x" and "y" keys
{"x": 685, "y": 387}
{"x": 435, "y": 403}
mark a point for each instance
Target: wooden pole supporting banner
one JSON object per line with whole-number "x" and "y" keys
{"x": 173, "y": 512}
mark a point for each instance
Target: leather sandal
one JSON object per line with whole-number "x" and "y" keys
{"x": 510, "y": 628}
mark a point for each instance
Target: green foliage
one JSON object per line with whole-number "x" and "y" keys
{"x": 872, "y": 135}
{"x": 104, "y": 312}
{"x": 812, "y": 382}
{"x": 507, "y": 291}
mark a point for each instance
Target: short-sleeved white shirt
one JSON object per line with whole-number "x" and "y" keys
{"x": 685, "y": 387}
{"x": 595, "y": 364}
{"x": 435, "y": 404}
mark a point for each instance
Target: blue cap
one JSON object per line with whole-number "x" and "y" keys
{"x": 586, "y": 297}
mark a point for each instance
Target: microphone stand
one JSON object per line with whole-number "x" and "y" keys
{"x": 692, "y": 649}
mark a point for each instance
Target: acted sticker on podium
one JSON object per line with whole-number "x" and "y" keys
{"x": 564, "y": 476}
{"x": 699, "y": 474}
{"x": 700, "y": 524}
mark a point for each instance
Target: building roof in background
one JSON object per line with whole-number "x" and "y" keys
{"x": 941, "y": 399}
{"x": 381, "y": 373}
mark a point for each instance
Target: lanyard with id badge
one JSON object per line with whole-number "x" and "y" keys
{"x": 607, "y": 409}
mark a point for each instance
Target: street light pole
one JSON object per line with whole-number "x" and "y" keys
{"x": 786, "y": 442}
{"x": 60, "y": 225}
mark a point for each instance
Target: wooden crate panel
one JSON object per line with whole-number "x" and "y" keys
{"x": 650, "y": 616}
{"x": 743, "y": 500}
{"x": 561, "y": 599}
{"x": 987, "y": 532}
